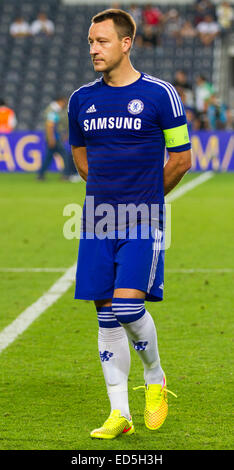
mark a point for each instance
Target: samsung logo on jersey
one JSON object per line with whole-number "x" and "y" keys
{"x": 112, "y": 123}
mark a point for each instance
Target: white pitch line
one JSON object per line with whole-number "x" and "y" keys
{"x": 189, "y": 186}
{"x": 61, "y": 270}
{"x": 201, "y": 270}
{"x": 24, "y": 320}
{"x": 33, "y": 270}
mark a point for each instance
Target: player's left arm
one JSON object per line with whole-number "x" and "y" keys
{"x": 172, "y": 119}
{"x": 79, "y": 155}
{"x": 176, "y": 167}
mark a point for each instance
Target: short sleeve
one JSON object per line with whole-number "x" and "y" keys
{"x": 172, "y": 119}
{"x": 75, "y": 133}
{"x": 52, "y": 116}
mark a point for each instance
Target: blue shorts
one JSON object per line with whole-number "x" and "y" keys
{"x": 132, "y": 263}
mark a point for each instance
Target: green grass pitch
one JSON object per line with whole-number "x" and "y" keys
{"x": 52, "y": 392}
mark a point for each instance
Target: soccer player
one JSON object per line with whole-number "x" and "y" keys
{"x": 119, "y": 126}
{"x": 54, "y": 144}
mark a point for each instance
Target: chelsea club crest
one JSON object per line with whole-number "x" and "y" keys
{"x": 135, "y": 106}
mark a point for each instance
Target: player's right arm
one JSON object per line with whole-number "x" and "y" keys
{"x": 80, "y": 160}
{"x": 76, "y": 138}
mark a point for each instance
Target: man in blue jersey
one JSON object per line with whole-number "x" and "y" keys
{"x": 119, "y": 126}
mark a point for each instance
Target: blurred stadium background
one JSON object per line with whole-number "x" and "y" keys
{"x": 50, "y": 374}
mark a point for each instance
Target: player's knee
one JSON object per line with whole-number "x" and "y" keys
{"x": 102, "y": 303}
{"x": 128, "y": 310}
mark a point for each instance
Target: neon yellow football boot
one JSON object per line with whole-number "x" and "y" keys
{"x": 113, "y": 427}
{"x": 156, "y": 404}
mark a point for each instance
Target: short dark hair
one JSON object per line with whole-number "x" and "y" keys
{"x": 123, "y": 21}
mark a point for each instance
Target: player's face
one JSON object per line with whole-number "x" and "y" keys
{"x": 106, "y": 49}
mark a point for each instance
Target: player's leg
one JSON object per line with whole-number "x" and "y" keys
{"x": 65, "y": 156}
{"x": 115, "y": 360}
{"x": 115, "y": 357}
{"x": 140, "y": 266}
{"x": 130, "y": 312}
{"x": 95, "y": 280}
{"x": 46, "y": 162}
{"x": 136, "y": 260}
{"x": 128, "y": 305}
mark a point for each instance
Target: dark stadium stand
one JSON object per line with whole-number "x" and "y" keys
{"x": 33, "y": 69}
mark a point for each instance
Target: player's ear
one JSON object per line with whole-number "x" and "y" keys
{"x": 126, "y": 44}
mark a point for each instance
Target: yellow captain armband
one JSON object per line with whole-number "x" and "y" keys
{"x": 176, "y": 136}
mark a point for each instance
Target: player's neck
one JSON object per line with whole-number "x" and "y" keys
{"x": 122, "y": 76}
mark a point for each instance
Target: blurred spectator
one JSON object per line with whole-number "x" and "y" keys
{"x": 203, "y": 8}
{"x": 20, "y": 28}
{"x": 184, "y": 88}
{"x": 225, "y": 16}
{"x": 152, "y": 16}
{"x": 218, "y": 114}
{"x": 136, "y": 13}
{"x": 42, "y": 25}
{"x": 172, "y": 23}
{"x": 148, "y": 37}
{"x": 208, "y": 30}
{"x": 193, "y": 121}
{"x": 190, "y": 115}
{"x": 7, "y": 118}
{"x": 203, "y": 92}
{"x": 187, "y": 31}
{"x": 54, "y": 143}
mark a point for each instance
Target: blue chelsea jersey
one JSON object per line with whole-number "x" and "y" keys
{"x": 125, "y": 130}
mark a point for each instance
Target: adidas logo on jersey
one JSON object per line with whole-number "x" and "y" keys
{"x": 92, "y": 109}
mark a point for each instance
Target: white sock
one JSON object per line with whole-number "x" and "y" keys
{"x": 115, "y": 360}
{"x": 143, "y": 336}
